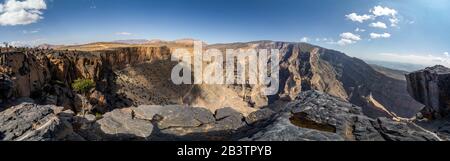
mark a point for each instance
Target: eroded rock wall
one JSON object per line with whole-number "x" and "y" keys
{"x": 47, "y": 75}
{"x": 431, "y": 87}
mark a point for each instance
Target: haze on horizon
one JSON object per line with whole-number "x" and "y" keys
{"x": 408, "y": 31}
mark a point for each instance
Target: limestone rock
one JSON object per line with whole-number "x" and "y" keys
{"x": 321, "y": 117}
{"x": 120, "y": 125}
{"x": 170, "y": 122}
{"x": 90, "y": 117}
{"x": 27, "y": 72}
{"x": 175, "y": 116}
{"x": 82, "y": 104}
{"x": 259, "y": 115}
{"x": 431, "y": 87}
{"x": 398, "y": 131}
{"x": 98, "y": 100}
{"x": 226, "y": 112}
{"x": 31, "y": 122}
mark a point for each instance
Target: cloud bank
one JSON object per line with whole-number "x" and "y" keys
{"x": 358, "y": 18}
{"x": 14, "y": 12}
{"x": 378, "y": 25}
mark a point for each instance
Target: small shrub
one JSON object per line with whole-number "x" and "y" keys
{"x": 83, "y": 85}
{"x": 98, "y": 116}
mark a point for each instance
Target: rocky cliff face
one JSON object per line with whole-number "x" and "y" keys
{"x": 307, "y": 67}
{"x": 432, "y": 88}
{"x": 47, "y": 75}
{"x": 23, "y": 73}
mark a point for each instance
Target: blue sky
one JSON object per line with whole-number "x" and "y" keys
{"x": 421, "y": 33}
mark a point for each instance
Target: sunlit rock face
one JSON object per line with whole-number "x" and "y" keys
{"x": 306, "y": 67}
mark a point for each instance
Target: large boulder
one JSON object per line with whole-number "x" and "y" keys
{"x": 171, "y": 122}
{"x": 431, "y": 87}
{"x": 174, "y": 115}
{"x": 315, "y": 116}
{"x": 120, "y": 125}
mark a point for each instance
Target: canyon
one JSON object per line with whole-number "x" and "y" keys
{"x": 324, "y": 95}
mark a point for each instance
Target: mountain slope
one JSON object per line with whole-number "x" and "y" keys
{"x": 305, "y": 67}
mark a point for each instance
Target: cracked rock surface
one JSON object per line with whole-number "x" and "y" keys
{"x": 312, "y": 116}
{"x": 31, "y": 122}
{"x": 315, "y": 116}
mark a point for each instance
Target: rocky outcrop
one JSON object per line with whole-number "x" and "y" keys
{"x": 431, "y": 87}
{"x": 31, "y": 122}
{"x": 312, "y": 116}
{"x": 315, "y": 116}
{"x": 163, "y": 123}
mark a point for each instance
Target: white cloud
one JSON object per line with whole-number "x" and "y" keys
{"x": 304, "y": 39}
{"x": 14, "y": 12}
{"x": 358, "y": 18}
{"x": 427, "y": 60}
{"x": 378, "y": 11}
{"x": 394, "y": 21}
{"x": 378, "y": 25}
{"x": 446, "y": 54}
{"x": 360, "y": 30}
{"x": 346, "y": 39}
{"x": 124, "y": 33}
{"x": 350, "y": 36}
{"x": 383, "y": 11}
{"x": 30, "y": 43}
{"x": 376, "y": 36}
{"x": 323, "y": 39}
{"x": 30, "y": 32}
{"x": 344, "y": 42}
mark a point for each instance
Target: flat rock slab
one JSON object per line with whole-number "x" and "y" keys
{"x": 31, "y": 122}
{"x": 119, "y": 123}
{"x": 174, "y": 116}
